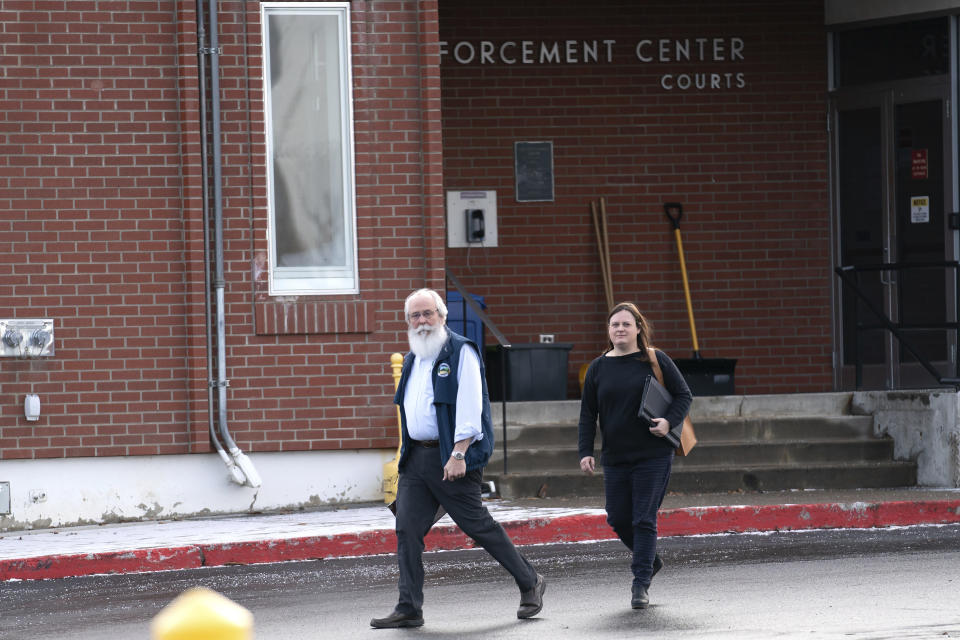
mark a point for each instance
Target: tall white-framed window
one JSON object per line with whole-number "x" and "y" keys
{"x": 309, "y": 127}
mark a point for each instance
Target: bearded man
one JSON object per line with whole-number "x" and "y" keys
{"x": 447, "y": 441}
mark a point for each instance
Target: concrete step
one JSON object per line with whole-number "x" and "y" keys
{"x": 746, "y": 443}
{"x": 768, "y": 428}
{"x": 843, "y": 475}
{"x": 704, "y": 408}
{"x": 811, "y": 451}
{"x": 541, "y": 435}
{"x": 547, "y": 458}
{"x": 522, "y": 485}
{"x": 799, "y": 404}
{"x": 554, "y": 458}
{"x": 720, "y": 479}
{"x": 765, "y": 428}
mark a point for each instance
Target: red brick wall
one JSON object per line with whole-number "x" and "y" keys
{"x": 329, "y": 385}
{"x": 91, "y": 232}
{"x": 749, "y": 165}
{"x": 101, "y": 225}
{"x": 101, "y": 230}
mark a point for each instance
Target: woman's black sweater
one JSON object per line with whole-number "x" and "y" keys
{"x": 611, "y": 391}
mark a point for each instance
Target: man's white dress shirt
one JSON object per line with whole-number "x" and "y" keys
{"x": 418, "y": 399}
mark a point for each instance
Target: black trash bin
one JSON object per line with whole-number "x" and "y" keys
{"x": 534, "y": 371}
{"x": 708, "y": 376}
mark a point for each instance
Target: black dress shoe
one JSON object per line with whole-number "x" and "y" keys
{"x": 531, "y": 602}
{"x": 397, "y": 620}
{"x": 657, "y": 565}
{"x": 639, "y": 598}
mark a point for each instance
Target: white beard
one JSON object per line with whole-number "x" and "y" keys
{"x": 426, "y": 341}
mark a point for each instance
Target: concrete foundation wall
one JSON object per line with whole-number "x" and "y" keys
{"x": 56, "y": 493}
{"x": 924, "y": 425}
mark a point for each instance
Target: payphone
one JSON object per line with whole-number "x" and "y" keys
{"x": 471, "y": 219}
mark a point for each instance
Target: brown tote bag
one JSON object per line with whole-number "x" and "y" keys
{"x": 688, "y": 439}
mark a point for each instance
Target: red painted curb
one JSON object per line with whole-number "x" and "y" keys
{"x": 383, "y": 541}
{"x": 307, "y": 548}
{"x": 83, "y": 564}
{"x": 577, "y": 528}
{"x": 857, "y": 515}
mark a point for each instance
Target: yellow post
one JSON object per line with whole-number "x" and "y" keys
{"x": 202, "y": 614}
{"x": 391, "y": 474}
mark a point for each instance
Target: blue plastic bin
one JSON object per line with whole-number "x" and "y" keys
{"x": 474, "y": 328}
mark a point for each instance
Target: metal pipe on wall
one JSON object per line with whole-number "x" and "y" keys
{"x": 235, "y": 473}
{"x": 240, "y": 466}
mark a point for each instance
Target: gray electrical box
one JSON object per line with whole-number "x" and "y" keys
{"x": 4, "y": 498}
{"x": 26, "y": 338}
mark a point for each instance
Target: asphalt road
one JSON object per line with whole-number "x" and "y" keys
{"x": 899, "y": 583}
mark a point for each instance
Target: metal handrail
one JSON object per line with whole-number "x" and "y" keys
{"x": 467, "y": 299}
{"x": 844, "y": 273}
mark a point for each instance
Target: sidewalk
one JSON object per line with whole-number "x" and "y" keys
{"x": 367, "y": 529}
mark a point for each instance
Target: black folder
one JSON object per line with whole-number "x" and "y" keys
{"x": 654, "y": 403}
{"x": 436, "y": 517}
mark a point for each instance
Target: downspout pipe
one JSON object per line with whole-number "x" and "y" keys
{"x": 239, "y": 459}
{"x": 236, "y": 475}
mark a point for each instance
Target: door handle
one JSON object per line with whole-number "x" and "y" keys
{"x": 887, "y": 276}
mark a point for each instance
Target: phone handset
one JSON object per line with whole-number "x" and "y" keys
{"x": 476, "y": 225}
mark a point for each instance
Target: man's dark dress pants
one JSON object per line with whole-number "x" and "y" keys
{"x": 420, "y": 490}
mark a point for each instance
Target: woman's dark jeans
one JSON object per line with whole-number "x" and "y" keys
{"x": 634, "y": 495}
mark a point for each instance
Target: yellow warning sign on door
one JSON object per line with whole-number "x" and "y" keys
{"x": 919, "y": 209}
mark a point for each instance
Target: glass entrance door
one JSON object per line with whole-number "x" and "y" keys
{"x": 892, "y": 168}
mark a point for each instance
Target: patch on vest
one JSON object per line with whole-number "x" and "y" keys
{"x": 443, "y": 370}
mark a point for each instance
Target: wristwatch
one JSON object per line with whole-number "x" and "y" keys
{"x": 456, "y": 455}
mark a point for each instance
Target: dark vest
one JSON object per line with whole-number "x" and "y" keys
{"x": 445, "y": 387}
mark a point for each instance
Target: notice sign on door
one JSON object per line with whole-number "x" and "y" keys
{"x": 920, "y": 209}
{"x": 918, "y": 164}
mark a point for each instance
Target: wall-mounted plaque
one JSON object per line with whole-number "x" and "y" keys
{"x": 533, "y": 162}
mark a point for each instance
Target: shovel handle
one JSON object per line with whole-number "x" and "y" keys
{"x": 674, "y": 211}
{"x": 686, "y": 292}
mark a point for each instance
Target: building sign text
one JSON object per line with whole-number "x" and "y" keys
{"x": 729, "y": 50}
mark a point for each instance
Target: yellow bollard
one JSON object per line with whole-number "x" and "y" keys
{"x": 391, "y": 474}
{"x": 202, "y": 614}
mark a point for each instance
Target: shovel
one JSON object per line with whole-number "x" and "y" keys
{"x": 705, "y": 377}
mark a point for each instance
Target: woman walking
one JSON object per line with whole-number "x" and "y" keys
{"x": 636, "y": 458}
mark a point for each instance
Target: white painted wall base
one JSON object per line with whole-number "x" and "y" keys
{"x": 76, "y": 491}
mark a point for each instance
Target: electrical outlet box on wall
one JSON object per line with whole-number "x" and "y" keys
{"x": 4, "y": 498}
{"x": 466, "y": 206}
